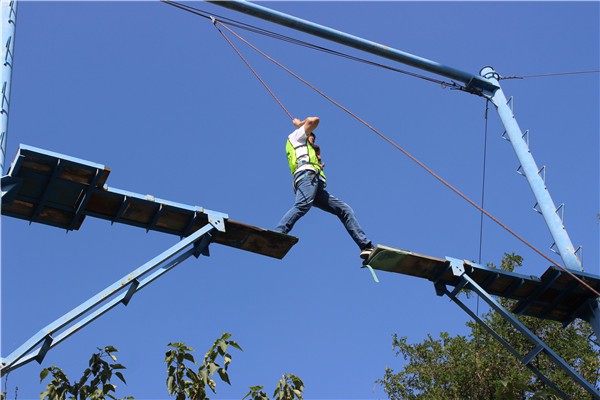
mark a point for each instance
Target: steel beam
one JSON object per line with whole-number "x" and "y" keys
{"x": 473, "y": 82}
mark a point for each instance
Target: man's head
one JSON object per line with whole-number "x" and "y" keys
{"x": 311, "y": 138}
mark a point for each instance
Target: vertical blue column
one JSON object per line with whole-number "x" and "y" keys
{"x": 9, "y": 20}
{"x": 531, "y": 171}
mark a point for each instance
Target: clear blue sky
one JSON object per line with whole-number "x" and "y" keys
{"x": 157, "y": 95}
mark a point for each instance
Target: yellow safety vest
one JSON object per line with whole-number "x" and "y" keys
{"x": 292, "y": 157}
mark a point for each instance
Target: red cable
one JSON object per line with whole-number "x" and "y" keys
{"x": 252, "y": 69}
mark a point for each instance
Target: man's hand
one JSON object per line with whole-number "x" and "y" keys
{"x": 310, "y": 123}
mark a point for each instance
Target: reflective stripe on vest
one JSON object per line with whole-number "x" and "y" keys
{"x": 292, "y": 156}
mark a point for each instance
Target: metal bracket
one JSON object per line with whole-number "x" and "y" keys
{"x": 511, "y": 103}
{"x": 10, "y": 188}
{"x": 490, "y": 74}
{"x": 12, "y": 13}
{"x": 579, "y": 254}
{"x": 201, "y": 246}
{"x": 4, "y": 99}
{"x": 561, "y": 208}
{"x": 525, "y": 137}
{"x": 45, "y": 347}
{"x": 440, "y": 289}
{"x": 131, "y": 291}
{"x": 542, "y": 173}
{"x": 8, "y": 54}
{"x": 216, "y": 219}
{"x": 456, "y": 265}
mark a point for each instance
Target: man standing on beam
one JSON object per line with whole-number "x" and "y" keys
{"x": 304, "y": 158}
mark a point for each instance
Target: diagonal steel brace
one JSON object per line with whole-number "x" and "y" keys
{"x": 119, "y": 292}
{"x": 467, "y": 282}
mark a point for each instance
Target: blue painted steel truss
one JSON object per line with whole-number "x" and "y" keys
{"x": 555, "y": 296}
{"x": 486, "y": 84}
{"x": 59, "y": 190}
{"x": 62, "y": 191}
{"x": 119, "y": 292}
{"x": 467, "y": 283}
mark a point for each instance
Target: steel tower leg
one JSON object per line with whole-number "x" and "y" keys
{"x": 9, "y": 23}
{"x": 532, "y": 173}
{"x": 538, "y": 186}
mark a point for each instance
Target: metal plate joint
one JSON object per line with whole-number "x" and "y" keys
{"x": 456, "y": 265}
{"x": 10, "y": 188}
{"x": 217, "y": 219}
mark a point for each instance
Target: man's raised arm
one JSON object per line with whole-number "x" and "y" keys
{"x": 310, "y": 124}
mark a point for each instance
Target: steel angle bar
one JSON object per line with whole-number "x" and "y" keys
{"x": 489, "y": 280}
{"x": 155, "y": 218}
{"x": 22, "y": 354}
{"x": 190, "y": 224}
{"x": 120, "y": 211}
{"x": 512, "y": 288}
{"x": 51, "y": 181}
{"x": 38, "y": 354}
{"x": 525, "y": 304}
{"x": 86, "y": 198}
{"x": 558, "y": 299}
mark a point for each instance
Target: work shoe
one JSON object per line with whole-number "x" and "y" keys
{"x": 366, "y": 251}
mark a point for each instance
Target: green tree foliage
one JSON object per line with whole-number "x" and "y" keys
{"x": 256, "y": 393}
{"x": 477, "y": 366}
{"x": 94, "y": 384}
{"x": 184, "y": 382}
{"x": 290, "y": 387}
